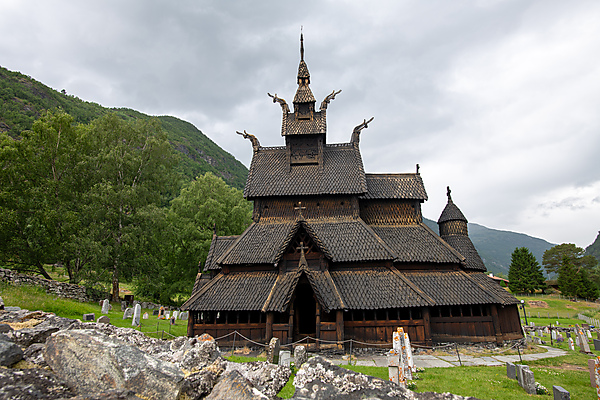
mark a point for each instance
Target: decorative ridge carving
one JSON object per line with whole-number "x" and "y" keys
{"x": 358, "y": 129}
{"x": 252, "y": 138}
{"x": 284, "y": 106}
{"x": 329, "y": 97}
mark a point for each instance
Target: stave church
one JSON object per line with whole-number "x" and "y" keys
{"x": 335, "y": 253}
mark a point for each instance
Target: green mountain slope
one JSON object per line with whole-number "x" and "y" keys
{"x": 22, "y": 100}
{"x": 594, "y": 248}
{"x": 495, "y": 246}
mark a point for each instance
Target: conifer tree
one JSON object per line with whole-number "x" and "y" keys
{"x": 525, "y": 274}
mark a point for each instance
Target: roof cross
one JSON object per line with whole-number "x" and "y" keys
{"x": 302, "y": 247}
{"x": 300, "y": 208}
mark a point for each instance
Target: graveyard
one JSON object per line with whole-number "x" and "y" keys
{"x": 570, "y": 371}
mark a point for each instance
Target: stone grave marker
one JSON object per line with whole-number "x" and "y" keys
{"x": 560, "y": 393}
{"x": 144, "y": 305}
{"x": 273, "y": 351}
{"x": 568, "y": 335}
{"x": 89, "y": 317}
{"x": 409, "y": 355}
{"x": 161, "y": 313}
{"x": 105, "y": 306}
{"x": 136, "y": 315}
{"x": 103, "y": 320}
{"x": 571, "y": 345}
{"x": 592, "y": 370}
{"x": 167, "y": 315}
{"x": 577, "y": 341}
{"x": 511, "y": 370}
{"x": 300, "y": 356}
{"x": 145, "y": 316}
{"x": 520, "y": 368}
{"x": 403, "y": 352}
{"x": 175, "y": 314}
{"x": 123, "y": 305}
{"x": 584, "y": 345}
{"x": 539, "y": 333}
{"x": 395, "y": 368}
{"x": 589, "y": 333}
{"x": 155, "y": 312}
{"x": 553, "y": 335}
{"x": 596, "y": 344}
{"x": 528, "y": 382}
{"x": 285, "y": 358}
{"x": 183, "y": 316}
{"x": 128, "y": 313}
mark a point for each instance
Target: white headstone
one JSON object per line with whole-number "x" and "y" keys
{"x": 105, "y": 306}
{"x": 411, "y": 362}
{"x": 175, "y": 314}
{"x": 145, "y": 316}
{"x": 571, "y": 345}
{"x": 553, "y": 334}
{"x": 128, "y": 313}
{"x": 183, "y": 315}
{"x": 285, "y": 358}
{"x": 167, "y": 315}
{"x": 136, "y": 315}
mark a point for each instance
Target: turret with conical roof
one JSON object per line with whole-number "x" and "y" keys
{"x": 454, "y": 230}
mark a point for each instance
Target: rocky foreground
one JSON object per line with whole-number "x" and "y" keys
{"x": 43, "y": 356}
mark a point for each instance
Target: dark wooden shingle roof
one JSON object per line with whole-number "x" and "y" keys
{"x": 218, "y": 246}
{"x": 464, "y": 246}
{"x": 416, "y": 243}
{"x": 505, "y": 298}
{"x": 341, "y": 173}
{"x": 451, "y": 213}
{"x": 395, "y": 186}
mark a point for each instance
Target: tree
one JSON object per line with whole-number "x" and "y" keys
{"x": 184, "y": 233}
{"x": 553, "y": 258}
{"x": 134, "y": 167}
{"x": 525, "y": 274}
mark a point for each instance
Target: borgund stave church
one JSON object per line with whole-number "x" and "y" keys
{"x": 335, "y": 253}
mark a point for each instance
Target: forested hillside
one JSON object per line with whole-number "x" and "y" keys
{"x": 23, "y": 99}
{"x": 594, "y": 248}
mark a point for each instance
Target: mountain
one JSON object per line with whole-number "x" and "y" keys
{"x": 23, "y": 99}
{"x": 495, "y": 246}
{"x": 594, "y": 248}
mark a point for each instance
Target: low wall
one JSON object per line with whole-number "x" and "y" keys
{"x": 60, "y": 289}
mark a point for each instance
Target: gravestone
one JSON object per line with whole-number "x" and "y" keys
{"x": 105, "y": 306}
{"x": 596, "y": 344}
{"x": 285, "y": 358}
{"x": 155, "y": 312}
{"x": 128, "y": 313}
{"x": 103, "y": 320}
{"x": 577, "y": 341}
{"x": 571, "y": 345}
{"x": 568, "y": 335}
{"x": 273, "y": 351}
{"x": 167, "y": 315}
{"x": 400, "y": 346}
{"x": 144, "y": 305}
{"x": 553, "y": 335}
{"x": 123, "y": 305}
{"x": 89, "y": 317}
{"x": 1, "y": 304}
{"x": 520, "y": 369}
{"x": 300, "y": 356}
{"x": 592, "y": 371}
{"x": 145, "y": 316}
{"x": 560, "y": 393}
{"x": 584, "y": 345}
{"x": 410, "y": 361}
{"x": 136, "y": 315}
{"x": 528, "y": 382}
{"x": 183, "y": 316}
{"x": 539, "y": 333}
{"x": 511, "y": 370}
{"x": 589, "y": 333}
{"x": 161, "y": 313}
{"x": 175, "y": 314}
{"x": 395, "y": 369}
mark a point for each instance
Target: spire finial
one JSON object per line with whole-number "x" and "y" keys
{"x": 448, "y": 193}
{"x": 301, "y": 44}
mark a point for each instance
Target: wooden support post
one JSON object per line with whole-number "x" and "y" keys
{"x": 339, "y": 328}
{"x": 269, "y": 326}
{"x": 318, "y": 323}
{"x": 190, "y": 325}
{"x": 496, "y": 322}
{"x": 427, "y": 326}
{"x": 291, "y": 326}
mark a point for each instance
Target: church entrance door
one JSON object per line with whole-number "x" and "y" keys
{"x": 305, "y": 306}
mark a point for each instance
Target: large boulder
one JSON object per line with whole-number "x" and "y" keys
{"x": 32, "y": 383}
{"x": 199, "y": 356}
{"x": 268, "y": 378}
{"x": 10, "y": 353}
{"x": 27, "y": 336}
{"x": 199, "y": 384}
{"x": 319, "y": 379}
{"x": 93, "y": 362}
{"x": 233, "y": 385}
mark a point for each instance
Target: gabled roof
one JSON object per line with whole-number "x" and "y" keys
{"x": 218, "y": 246}
{"x": 395, "y": 186}
{"x": 464, "y": 246}
{"x": 449, "y": 288}
{"x": 416, "y": 243}
{"x": 505, "y": 298}
{"x": 377, "y": 288}
{"x": 292, "y": 126}
{"x": 451, "y": 212}
{"x": 271, "y": 175}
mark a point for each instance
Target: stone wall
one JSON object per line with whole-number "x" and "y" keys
{"x": 60, "y": 289}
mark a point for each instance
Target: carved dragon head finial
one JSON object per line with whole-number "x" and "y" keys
{"x": 252, "y": 138}
{"x": 448, "y": 191}
{"x": 358, "y": 129}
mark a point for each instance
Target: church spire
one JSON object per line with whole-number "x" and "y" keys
{"x": 304, "y": 100}
{"x": 301, "y": 45}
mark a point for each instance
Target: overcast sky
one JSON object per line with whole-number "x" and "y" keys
{"x": 500, "y": 100}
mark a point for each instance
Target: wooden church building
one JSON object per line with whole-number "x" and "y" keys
{"x": 336, "y": 253}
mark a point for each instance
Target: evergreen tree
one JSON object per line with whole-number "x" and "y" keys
{"x": 525, "y": 274}
{"x": 568, "y": 278}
